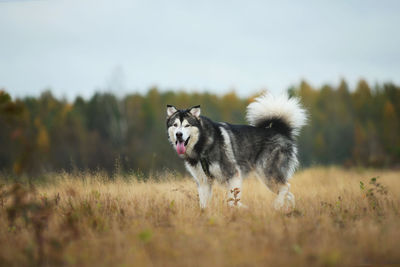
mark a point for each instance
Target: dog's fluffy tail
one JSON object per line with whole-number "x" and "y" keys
{"x": 284, "y": 114}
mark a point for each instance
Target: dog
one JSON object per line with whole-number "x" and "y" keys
{"x": 227, "y": 152}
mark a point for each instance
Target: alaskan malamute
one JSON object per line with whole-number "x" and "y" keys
{"x": 227, "y": 153}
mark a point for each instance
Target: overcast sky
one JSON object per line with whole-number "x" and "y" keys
{"x": 76, "y": 47}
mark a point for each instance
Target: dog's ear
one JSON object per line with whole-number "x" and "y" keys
{"x": 171, "y": 110}
{"x": 195, "y": 111}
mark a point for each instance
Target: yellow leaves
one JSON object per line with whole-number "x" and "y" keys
{"x": 42, "y": 139}
{"x": 388, "y": 110}
{"x": 390, "y": 125}
{"x": 17, "y": 167}
{"x": 253, "y": 97}
{"x": 320, "y": 145}
{"x": 230, "y": 97}
{"x": 4, "y": 97}
{"x": 66, "y": 109}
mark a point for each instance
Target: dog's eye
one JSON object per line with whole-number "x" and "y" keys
{"x": 175, "y": 125}
{"x": 188, "y": 125}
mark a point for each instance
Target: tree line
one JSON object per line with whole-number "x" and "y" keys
{"x": 359, "y": 127}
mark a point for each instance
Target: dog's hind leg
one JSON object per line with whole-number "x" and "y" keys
{"x": 275, "y": 174}
{"x": 284, "y": 200}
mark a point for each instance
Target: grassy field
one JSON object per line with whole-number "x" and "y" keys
{"x": 84, "y": 220}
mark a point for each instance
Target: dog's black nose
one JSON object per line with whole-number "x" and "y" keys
{"x": 179, "y": 135}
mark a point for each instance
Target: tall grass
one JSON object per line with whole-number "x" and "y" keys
{"x": 86, "y": 220}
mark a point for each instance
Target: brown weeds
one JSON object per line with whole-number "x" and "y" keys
{"x": 342, "y": 218}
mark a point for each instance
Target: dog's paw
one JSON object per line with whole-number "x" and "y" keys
{"x": 290, "y": 200}
{"x": 285, "y": 203}
{"x": 279, "y": 203}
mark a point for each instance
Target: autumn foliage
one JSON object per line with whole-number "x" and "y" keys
{"x": 351, "y": 127}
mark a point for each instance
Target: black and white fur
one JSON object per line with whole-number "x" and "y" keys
{"x": 227, "y": 153}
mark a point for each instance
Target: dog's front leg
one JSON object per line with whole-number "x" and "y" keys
{"x": 204, "y": 183}
{"x": 205, "y": 192}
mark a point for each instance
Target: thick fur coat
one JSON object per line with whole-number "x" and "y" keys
{"x": 227, "y": 153}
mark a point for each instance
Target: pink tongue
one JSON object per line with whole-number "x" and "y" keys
{"x": 180, "y": 148}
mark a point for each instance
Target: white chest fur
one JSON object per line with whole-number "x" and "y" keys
{"x": 199, "y": 175}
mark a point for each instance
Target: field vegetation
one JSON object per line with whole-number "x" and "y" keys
{"x": 342, "y": 218}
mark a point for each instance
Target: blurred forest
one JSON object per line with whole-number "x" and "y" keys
{"x": 358, "y": 127}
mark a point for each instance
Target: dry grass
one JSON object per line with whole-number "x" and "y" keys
{"x": 85, "y": 221}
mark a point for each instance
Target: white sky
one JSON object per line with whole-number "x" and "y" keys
{"x": 76, "y": 47}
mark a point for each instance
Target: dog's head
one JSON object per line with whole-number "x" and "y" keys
{"x": 183, "y": 128}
